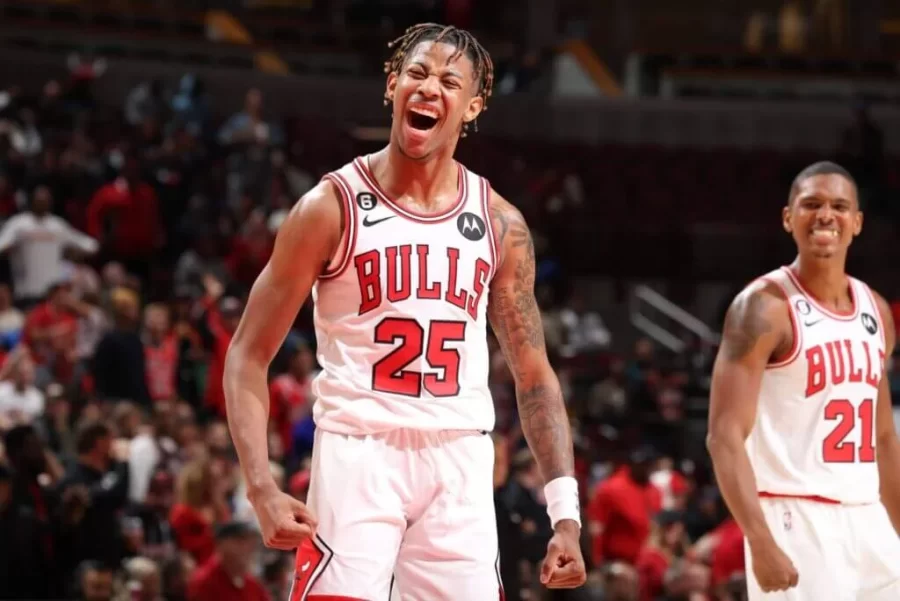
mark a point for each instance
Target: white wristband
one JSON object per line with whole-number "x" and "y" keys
{"x": 562, "y": 500}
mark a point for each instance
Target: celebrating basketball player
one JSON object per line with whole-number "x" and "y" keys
{"x": 408, "y": 255}
{"x": 801, "y": 426}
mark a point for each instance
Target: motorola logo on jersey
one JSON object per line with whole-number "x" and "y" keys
{"x": 366, "y": 201}
{"x": 471, "y": 226}
{"x": 803, "y": 307}
{"x": 869, "y": 323}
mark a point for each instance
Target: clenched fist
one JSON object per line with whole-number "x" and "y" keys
{"x": 285, "y": 521}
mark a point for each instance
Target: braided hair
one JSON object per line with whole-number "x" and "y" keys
{"x": 465, "y": 43}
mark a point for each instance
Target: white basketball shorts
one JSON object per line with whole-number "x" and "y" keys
{"x": 841, "y": 552}
{"x": 407, "y": 510}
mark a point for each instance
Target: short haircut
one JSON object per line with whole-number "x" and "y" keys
{"x": 89, "y": 435}
{"x": 820, "y": 168}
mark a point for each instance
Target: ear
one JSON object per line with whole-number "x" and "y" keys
{"x": 476, "y": 105}
{"x": 391, "y": 86}
{"x": 858, "y": 223}
{"x": 786, "y": 219}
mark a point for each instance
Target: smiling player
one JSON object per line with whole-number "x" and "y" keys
{"x": 801, "y": 426}
{"x": 408, "y": 256}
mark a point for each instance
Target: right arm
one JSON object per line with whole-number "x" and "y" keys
{"x": 305, "y": 243}
{"x": 757, "y": 327}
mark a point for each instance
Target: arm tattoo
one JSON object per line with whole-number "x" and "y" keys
{"x": 546, "y": 428}
{"x": 745, "y": 323}
{"x": 515, "y": 315}
{"x": 516, "y": 321}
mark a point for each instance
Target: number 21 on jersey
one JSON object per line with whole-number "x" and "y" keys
{"x": 835, "y": 447}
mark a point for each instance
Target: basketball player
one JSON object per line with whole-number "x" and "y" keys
{"x": 408, "y": 255}
{"x": 801, "y": 428}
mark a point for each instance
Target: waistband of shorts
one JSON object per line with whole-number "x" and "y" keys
{"x": 811, "y": 499}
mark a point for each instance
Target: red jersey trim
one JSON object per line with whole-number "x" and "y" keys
{"x": 349, "y": 235}
{"x": 797, "y": 343}
{"x": 485, "y": 205}
{"x": 813, "y": 498}
{"x": 812, "y": 299}
{"x": 362, "y": 167}
{"x": 877, "y": 316}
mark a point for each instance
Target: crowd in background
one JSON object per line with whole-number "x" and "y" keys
{"x": 131, "y": 236}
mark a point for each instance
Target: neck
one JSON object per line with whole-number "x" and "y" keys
{"x": 825, "y": 279}
{"x": 424, "y": 182}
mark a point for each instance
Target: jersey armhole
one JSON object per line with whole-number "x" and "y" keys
{"x": 797, "y": 342}
{"x": 341, "y": 258}
{"x": 485, "y": 189}
{"x": 879, "y": 320}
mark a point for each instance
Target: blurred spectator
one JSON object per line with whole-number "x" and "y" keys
{"x": 226, "y": 575}
{"x": 249, "y": 138}
{"x": 666, "y": 543}
{"x": 104, "y": 477}
{"x": 160, "y": 353}
{"x": 584, "y": 329}
{"x": 199, "y": 506}
{"x": 290, "y": 397}
{"x": 153, "y": 513}
{"x": 145, "y": 102}
{"x": 119, "y": 365}
{"x": 24, "y": 564}
{"x": 620, "y": 510}
{"x": 36, "y": 241}
{"x": 21, "y": 402}
{"x": 95, "y": 581}
{"x": 124, "y": 216}
{"x": 144, "y": 581}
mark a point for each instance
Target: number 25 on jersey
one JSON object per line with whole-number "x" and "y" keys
{"x": 390, "y": 373}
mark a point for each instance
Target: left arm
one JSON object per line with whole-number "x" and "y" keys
{"x": 887, "y": 444}
{"x": 516, "y": 320}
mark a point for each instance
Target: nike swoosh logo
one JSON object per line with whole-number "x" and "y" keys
{"x": 370, "y": 222}
{"x": 813, "y": 322}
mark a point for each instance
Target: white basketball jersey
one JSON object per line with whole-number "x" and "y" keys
{"x": 400, "y": 315}
{"x": 815, "y": 426}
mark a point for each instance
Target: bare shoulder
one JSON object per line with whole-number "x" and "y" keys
{"x": 312, "y": 228}
{"x": 322, "y": 202}
{"x": 509, "y": 226}
{"x": 757, "y": 323}
{"x": 887, "y": 318}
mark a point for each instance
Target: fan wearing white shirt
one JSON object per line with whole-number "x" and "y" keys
{"x": 20, "y": 400}
{"x": 35, "y": 241}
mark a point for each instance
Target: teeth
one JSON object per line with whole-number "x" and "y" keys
{"x": 425, "y": 111}
{"x": 831, "y": 233}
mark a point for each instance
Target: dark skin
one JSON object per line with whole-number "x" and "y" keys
{"x": 823, "y": 217}
{"x": 418, "y": 170}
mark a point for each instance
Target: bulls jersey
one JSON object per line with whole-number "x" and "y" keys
{"x": 815, "y": 426}
{"x": 400, "y": 314}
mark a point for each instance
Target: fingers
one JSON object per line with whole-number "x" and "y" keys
{"x": 302, "y": 513}
{"x": 570, "y": 575}
{"x": 290, "y": 535}
{"x": 550, "y": 561}
{"x": 795, "y": 577}
{"x": 787, "y": 580}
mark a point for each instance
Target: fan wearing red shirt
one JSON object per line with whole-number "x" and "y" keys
{"x": 620, "y": 511}
{"x": 51, "y": 328}
{"x": 290, "y": 395}
{"x": 666, "y": 541}
{"x": 226, "y": 575}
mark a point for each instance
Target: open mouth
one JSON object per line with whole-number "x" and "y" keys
{"x": 422, "y": 119}
{"x": 825, "y": 235}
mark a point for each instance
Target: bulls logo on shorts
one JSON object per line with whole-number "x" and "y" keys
{"x": 869, "y": 323}
{"x": 366, "y": 201}
{"x": 471, "y": 226}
